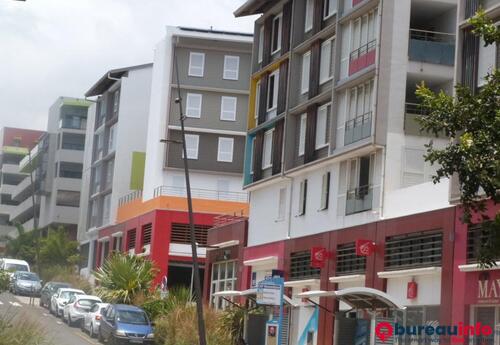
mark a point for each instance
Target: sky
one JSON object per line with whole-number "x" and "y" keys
{"x": 52, "y": 48}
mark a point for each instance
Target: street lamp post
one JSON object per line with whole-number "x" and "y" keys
{"x": 196, "y": 270}
{"x": 35, "y": 218}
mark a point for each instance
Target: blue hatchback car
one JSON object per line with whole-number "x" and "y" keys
{"x": 125, "y": 324}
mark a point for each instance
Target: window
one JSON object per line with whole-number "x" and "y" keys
{"x": 181, "y": 234}
{"x": 192, "y": 141}
{"x": 413, "y": 250}
{"x": 261, "y": 44}
{"x": 257, "y": 102}
{"x": 68, "y": 198}
{"x": 96, "y": 179}
{"x": 325, "y": 191}
{"x": 360, "y": 100}
{"x": 303, "y": 197}
{"x": 364, "y": 31}
{"x": 330, "y": 8}
{"x": 300, "y": 266}
{"x": 306, "y": 64}
{"x": 193, "y": 105}
{"x": 225, "y": 150}
{"x": 276, "y": 33}
{"x": 231, "y": 67}
{"x": 359, "y": 192}
{"x": 267, "y": 149}
{"x": 282, "y": 204}
{"x": 347, "y": 260}
{"x": 106, "y": 208}
{"x": 99, "y": 146}
{"x": 131, "y": 239}
{"x": 228, "y": 108}
{"x": 251, "y": 155}
{"x": 70, "y": 170}
{"x": 94, "y": 211}
{"x": 116, "y": 102}
{"x": 322, "y": 126}
{"x": 146, "y": 234}
{"x": 302, "y": 134}
{"x": 224, "y": 275}
{"x": 309, "y": 15}
{"x": 112, "y": 138}
{"x": 486, "y": 61}
{"x": 71, "y": 141}
{"x": 272, "y": 91}
{"x": 109, "y": 173}
{"x": 196, "y": 64}
{"x": 326, "y": 66}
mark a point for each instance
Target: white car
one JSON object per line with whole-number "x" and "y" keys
{"x": 92, "y": 320}
{"x": 13, "y": 265}
{"x": 77, "y": 307}
{"x": 61, "y": 298}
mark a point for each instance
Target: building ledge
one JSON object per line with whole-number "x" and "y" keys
{"x": 222, "y": 245}
{"x": 349, "y": 278}
{"x": 410, "y": 272}
{"x": 478, "y": 268}
{"x": 302, "y": 283}
{"x": 268, "y": 260}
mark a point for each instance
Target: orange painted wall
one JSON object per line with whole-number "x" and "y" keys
{"x": 137, "y": 207}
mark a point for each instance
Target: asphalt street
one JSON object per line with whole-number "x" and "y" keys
{"x": 56, "y": 331}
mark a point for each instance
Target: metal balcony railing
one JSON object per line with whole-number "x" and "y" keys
{"x": 358, "y": 128}
{"x": 412, "y": 112}
{"x": 432, "y": 47}
{"x": 363, "y": 50}
{"x": 136, "y": 194}
{"x": 359, "y": 199}
{"x": 198, "y": 193}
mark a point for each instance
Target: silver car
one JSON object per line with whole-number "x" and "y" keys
{"x": 25, "y": 283}
{"x": 61, "y": 298}
{"x": 77, "y": 307}
{"x": 92, "y": 320}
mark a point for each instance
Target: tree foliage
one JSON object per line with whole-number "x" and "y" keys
{"x": 23, "y": 246}
{"x": 56, "y": 249}
{"x": 472, "y": 121}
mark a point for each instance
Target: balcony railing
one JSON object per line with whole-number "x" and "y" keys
{"x": 362, "y": 57}
{"x": 72, "y": 123}
{"x": 432, "y": 47}
{"x": 359, "y": 200}
{"x": 358, "y": 128}
{"x": 136, "y": 194}
{"x": 198, "y": 193}
{"x": 412, "y": 112}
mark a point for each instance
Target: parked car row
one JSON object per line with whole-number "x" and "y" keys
{"x": 111, "y": 323}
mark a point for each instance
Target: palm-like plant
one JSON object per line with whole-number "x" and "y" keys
{"x": 58, "y": 249}
{"x": 122, "y": 278}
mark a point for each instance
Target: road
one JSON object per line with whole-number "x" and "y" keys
{"x": 56, "y": 331}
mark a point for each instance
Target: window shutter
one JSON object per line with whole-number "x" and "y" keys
{"x": 257, "y": 156}
{"x": 263, "y": 99}
{"x": 470, "y": 57}
{"x": 282, "y": 87}
{"x": 310, "y": 134}
{"x": 303, "y": 197}
{"x": 318, "y": 15}
{"x": 325, "y": 191}
{"x": 286, "y": 27}
{"x": 268, "y": 28}
{"x": 314, "y": 69}
{"x": 277, "y": 146}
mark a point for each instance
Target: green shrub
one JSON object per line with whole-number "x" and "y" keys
{"x": 21, "y": 330}
{"x": 4, "y": 281}
{"x": 67, "y": 275}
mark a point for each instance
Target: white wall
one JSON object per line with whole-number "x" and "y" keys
{"x": 209, "y": 181}
{"x": 428, "y": 290}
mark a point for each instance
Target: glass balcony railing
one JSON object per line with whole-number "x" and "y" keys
{"x": 432, "y": 47}
{"x": 73, "y": 123}
{"x": 412, "y": 112}
{"x": 359, "y": 199}
{"x": 358, "y": 128}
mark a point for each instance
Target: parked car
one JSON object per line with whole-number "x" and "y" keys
{"x": 125, "y": 324}
{"x": 25, "y": 283}
{"x": 48, "y": 290}
{"x": 77, "y": 307}
{"x": 61, "y": 298}
{"x": 92, "y": 319}
{"x": 13, "y": 265}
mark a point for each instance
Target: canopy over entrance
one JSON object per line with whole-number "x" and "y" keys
{"x": 358, "y": 298}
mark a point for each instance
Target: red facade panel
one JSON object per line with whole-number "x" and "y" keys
{"x": 359, "y": 63}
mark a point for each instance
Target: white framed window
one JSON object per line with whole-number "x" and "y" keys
{"x": 330, "y": 8}
{"x": 302, "y": 197}
{"x": 192, "y": 143}
{"x": 260, "y": 54}
{"x": 306, "y": 66}
{"x": 282, "y": 204}
{"x": 308, "y": 23}
{"x": 193, "y": 105}
{"x": 116, "y": 101}
{"x": 325, "y": 191}
{"x": 360, "y": 100}
{"x": 321, "y": 139}
{"x": 302, "y": 134}
{"x": 276, "y": 33}
{"x": 106, "y": 209}
{"x": 225, "y": 149}
{"x": 364, "y": 30}
{"x": 267, "y": 149}
{"x": 251, "y": 155}
{"x": 272, "y": 91}
{"x": 224, "y": 275}
{"x": 112, "y": 138}
{"x": 325, "y": 64}
{"x": 486, "y": 61}
{"x": 231, "y": 67}
{"x": 360, "y": 173}
{"x": 257, "y": 102}
{"x": 228, "y": 108}
{"x": 196, "y": 64}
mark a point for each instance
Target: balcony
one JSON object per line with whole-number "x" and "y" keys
{"x": 362, "y": 57}
{"x": 413, "y": 111}
{"x": 432, "y": 47}
{"x": 359, "y": 200}
{"x": 358, "y": 128}
{"x": 197, "y": 193}
{"x": 10, "y": 169}
{"x": 73, "y": 123}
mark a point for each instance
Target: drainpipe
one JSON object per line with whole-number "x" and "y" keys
{"x": 112, "y": 78}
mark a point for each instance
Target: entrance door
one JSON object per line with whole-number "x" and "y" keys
{"x": 486, "y": 316}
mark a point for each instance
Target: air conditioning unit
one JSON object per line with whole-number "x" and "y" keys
{"x": 131, "y": 252}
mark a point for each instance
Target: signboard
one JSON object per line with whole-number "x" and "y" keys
{"x": 411, "y": 290}
{"x": 364, "y": 247}
{"x": 270, "y": 291}
{"x": 319, "y": 256}
{"x": 272, "y": 332}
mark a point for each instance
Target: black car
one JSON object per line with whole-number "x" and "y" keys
{"x": 48, "y": 290}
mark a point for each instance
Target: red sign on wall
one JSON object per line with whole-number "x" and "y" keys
{"x": 319, "y": 255}
{"x": 412, "y": 290}
{"x": 364, "y": 247}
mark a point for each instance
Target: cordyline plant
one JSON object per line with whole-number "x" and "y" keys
{"x": 123, "y": 278}
{"x": 471, "y": 119}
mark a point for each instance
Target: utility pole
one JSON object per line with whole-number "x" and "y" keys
{"x": 194, "y": 246}
{"x": 35, "y": 218}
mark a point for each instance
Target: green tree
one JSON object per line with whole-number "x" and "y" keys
{"x": 472, "y": 120}
{"x": 23, "y": 246}
{"x": 58, "y": 250}
{"x": 123, "y": 278}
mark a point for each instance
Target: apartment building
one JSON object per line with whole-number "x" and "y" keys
{"x": 475, "y": 289}
{"x": 113, "y": 162}
{"x": 55, "y": 164}
{"x": 334, "y": 154}
{"x": 15, "y": 145}
{"x": 213, "y": 69}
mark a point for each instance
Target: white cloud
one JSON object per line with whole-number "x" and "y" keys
{"x": 52, "y": 48}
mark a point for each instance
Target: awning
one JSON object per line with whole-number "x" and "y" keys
{"x": 302, "y": 283}
{"x": 247, "y": 293}
{"x": 265, "y": 261}
{"x": 358, "y": 298}
{"x": 410, "y": 272}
